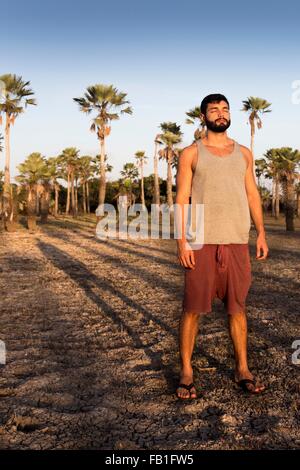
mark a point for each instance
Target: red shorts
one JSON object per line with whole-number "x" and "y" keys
{"x": 222, "y": 271}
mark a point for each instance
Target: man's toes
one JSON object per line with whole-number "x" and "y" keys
{"x": 182, "y": 393}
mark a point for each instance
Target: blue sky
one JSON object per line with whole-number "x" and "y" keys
{"x": 166, "y": 55}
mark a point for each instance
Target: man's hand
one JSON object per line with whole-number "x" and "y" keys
{"x": 186, "y": 256}
{"x": 261, "y": 245}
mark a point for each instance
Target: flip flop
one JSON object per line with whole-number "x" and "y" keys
{"x": 187, "y": 387}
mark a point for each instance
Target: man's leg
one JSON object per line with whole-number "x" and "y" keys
{"x": 188, "y": 329}
{"x": 238, "y": 333}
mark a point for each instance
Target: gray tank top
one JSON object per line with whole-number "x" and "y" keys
{"x": 219, "y": 184}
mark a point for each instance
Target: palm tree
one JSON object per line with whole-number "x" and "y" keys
{"x": 68, "y": 161}
{"x": 195, "y": 115}
{"x": 32, "y": 172}
{"x": 141, "y": 159}
{"x": 16, "y": 96}
{"x": 108, "y": 103}
{"x": 170, "y": 137}
{"x": 288, "y": 161}
{"x": 129, "y": 174}
{"x": 255, "y": 106}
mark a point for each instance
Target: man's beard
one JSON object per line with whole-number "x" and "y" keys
{"x": 214, "y": 127}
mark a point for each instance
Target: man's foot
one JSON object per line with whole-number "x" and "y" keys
{"x": 186, "y": 389}
{"x": 248, "y": 383}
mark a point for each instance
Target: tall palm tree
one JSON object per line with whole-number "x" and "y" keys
{"x": 32, "y": 171}
{"x": 141, "y": 159}
{"x": 16, "y": 96}
{"x": 171, "y": 135}
{"x": 109, "y": 104}
{"x": 255, "y": 106}
{"x": 68, "y": 161}
{"x": 289, "y": 174}
{"x": 195, "y": 115}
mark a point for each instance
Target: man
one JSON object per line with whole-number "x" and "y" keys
{"x": 218, "y": 173}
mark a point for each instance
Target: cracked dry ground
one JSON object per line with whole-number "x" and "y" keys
{"x": 91, "y": 332}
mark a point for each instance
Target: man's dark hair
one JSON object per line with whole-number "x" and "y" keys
{"x": 213, "y": 98}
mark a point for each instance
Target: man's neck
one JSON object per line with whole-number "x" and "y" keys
{"x": 217, "y": 139}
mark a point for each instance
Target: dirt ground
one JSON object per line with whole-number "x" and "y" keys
{"x": 91, "y": 335}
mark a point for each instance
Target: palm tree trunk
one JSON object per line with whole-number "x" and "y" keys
{"x": 252, "y": 125}
{"x": 68, "y": 195}
{"x": 273, "y": 196}
{"x": 289, "y": 211}
{"x": 156, "y": 180}
{"x": 102, "y": 182}
{"x": 169, "y": 179}
{"x": 56, "y": 200}
{"x": 88, "y": 197}
{"x": 83, "y": 196}
{"x": 31, "y": 209}
{"x": 142, "y": 183}
{"x": 298, "y": 204}
{"x": 45, "y": 204}
{"x": 37, "y": 201}
{"x": 76, "y": 196}
{"x": 277, "y": 196}
{"x": 7, "y": 202}
{"x": 72, "y": 194}
{"x": 252, "y": 139}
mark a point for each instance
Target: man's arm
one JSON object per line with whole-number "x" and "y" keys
{"x": 183, "y": 189}
{"x": 255, "y": 206}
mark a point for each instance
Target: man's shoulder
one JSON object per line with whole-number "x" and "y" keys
{"x": 192, "y": 147}
{"x": 189, "y": 151}
{"x": 245, "y": 150}
{"x": 247, "y": 154}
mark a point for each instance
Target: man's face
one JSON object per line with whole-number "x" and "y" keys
{"x": 217, "y": 117}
